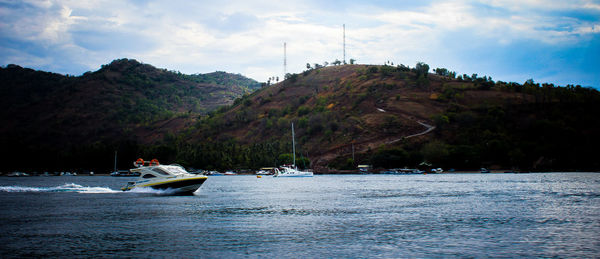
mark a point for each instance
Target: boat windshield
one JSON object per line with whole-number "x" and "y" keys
{"x": 161, "y": 171}
{"x": 175, "y": 170}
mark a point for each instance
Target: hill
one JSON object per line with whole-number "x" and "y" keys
{"x": 345, "y": 115}
{"x": 397, "y": 116}
{"x": 58, "y": 120}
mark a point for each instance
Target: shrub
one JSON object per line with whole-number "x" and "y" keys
{"x": 303, "y": 111}
{"x": 391, "y": 121}
{"x": 302, "y": 122}
{"x": 265, "y": 100}
{"x": 387, "y": 70}
{"x": 334, "y": 126}
{"x": 314, "y": 129}
{"x": 372, "y": 70}
{"x": 390, "y": 158}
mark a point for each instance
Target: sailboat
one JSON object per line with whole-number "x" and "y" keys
{"x": 122, "y": 173}
{"x": 291, "y": 170}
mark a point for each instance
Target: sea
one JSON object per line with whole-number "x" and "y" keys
{"x": 537, "y": 215}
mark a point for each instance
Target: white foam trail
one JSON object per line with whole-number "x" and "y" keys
{"x": 153, "y": 191}
{"x": 69, "y": 187}
{"x": 19, "y": 189}
{"x": 98, "y": 190}
{"x": 72, "y": 187}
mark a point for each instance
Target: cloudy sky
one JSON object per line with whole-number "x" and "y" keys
{"x": 510, "y": 40}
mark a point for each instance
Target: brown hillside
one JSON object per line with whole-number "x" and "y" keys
{"x": 336, "y": 106}
{"x": 396, "y": 116}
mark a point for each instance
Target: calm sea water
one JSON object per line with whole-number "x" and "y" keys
{"x": 350, "y": 216}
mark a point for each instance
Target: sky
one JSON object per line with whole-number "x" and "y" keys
{"x": 510, "y": 40}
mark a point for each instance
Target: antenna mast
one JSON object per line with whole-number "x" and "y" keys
{"x": 284, "y": 61}
{"x": 344, "y": 27}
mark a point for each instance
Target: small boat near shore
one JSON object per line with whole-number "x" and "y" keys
{"x": 403, "y": 171}
{"x": 266, "y": 171}
{"x": 173, "y": 178}
{"x": 437, "y": 170}
{"x": 291, "y": 171}
{"x": 124, "y": 173}
{"x": 17, "y": 174}
{"x": 213, "y": 173}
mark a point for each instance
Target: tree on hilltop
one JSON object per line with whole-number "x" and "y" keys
{"x": 422, "y": 69}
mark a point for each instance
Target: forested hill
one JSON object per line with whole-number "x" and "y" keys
{"x": 344, "y": 115}
{"x": 396, "y": 116}
{"x": 225, "y": 79}
{"x": 57, "y": 118}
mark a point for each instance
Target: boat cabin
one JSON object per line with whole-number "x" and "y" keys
{"x": 160, "y": 171}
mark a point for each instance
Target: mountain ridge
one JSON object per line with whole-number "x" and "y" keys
{"x": 124, "y": 101}
{"x": 344, "y": 115}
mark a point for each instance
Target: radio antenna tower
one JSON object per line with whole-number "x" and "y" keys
{"x": 284, "y": 61}
{"x": 344, "y": 27}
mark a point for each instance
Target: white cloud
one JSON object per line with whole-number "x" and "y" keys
{"x": 592, "y": 6}
{"x": 539, "y": 5}
{"x": 247, "y": 36}
{"x": 39, "y": 3}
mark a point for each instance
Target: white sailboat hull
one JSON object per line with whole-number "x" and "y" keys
{"x": 304, "y": 174}
{"x": 291, "y": 172}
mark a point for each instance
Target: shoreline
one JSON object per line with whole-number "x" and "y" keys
{"x": 330, "y": 172}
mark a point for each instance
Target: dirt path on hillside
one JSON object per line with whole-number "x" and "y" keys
{"x": 363, "y": 146}
{"x": 428, "y": 127}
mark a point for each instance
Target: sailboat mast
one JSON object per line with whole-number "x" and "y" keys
{"x": 293, "y": 144}
{"x": 115, "y": 161}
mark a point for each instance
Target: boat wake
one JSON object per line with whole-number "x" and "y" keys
{"x": 69, "y": 187}
{"x": 161, "y": 192}
{"x": 76, "y": 188}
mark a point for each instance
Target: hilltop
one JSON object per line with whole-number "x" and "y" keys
{"x": 59, "y": 120}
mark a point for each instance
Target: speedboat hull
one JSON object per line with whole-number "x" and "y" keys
{"x": 175, "y": 186}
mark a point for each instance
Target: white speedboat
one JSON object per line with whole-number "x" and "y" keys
{"x": 265, "y": 171}
{"x": 290, "y": 171}
{"x": 172, "y": 178}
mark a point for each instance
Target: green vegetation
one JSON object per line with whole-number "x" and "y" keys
{"x": 73, "y": 122}
{"x": 208, "y": 122}
{"x": 549, "y": 135}
{"x": 225, "y": 79}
